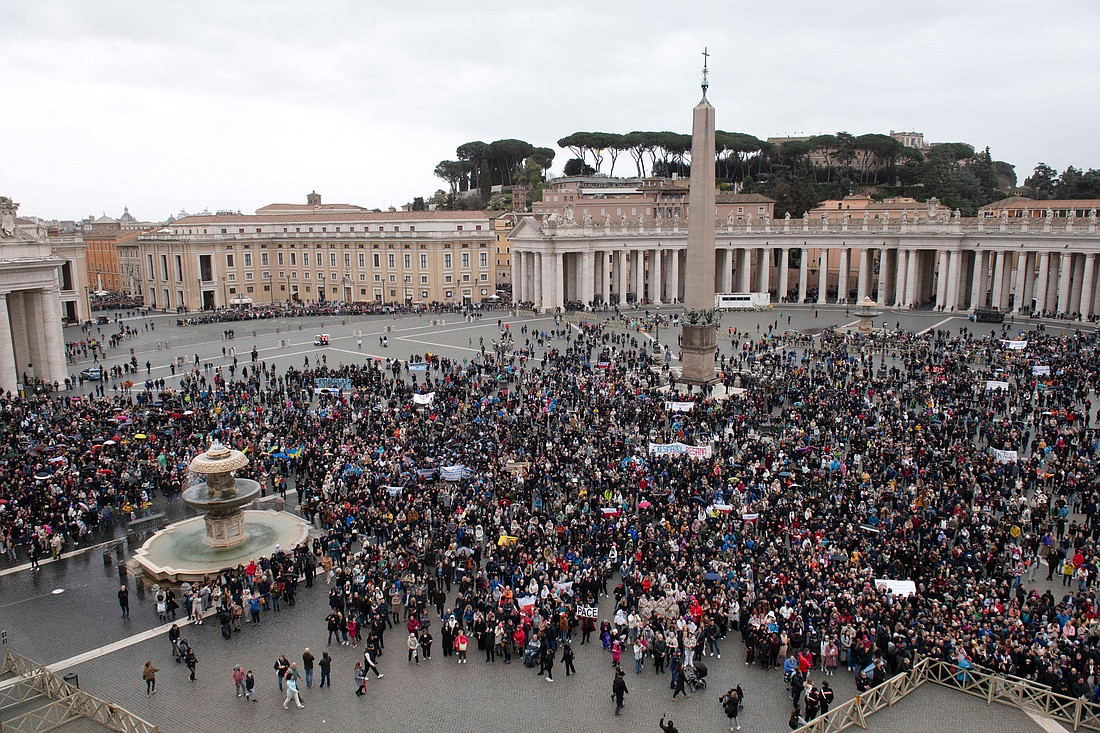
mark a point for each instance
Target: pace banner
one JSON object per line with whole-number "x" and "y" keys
{"x": 679, "y": 406}
{"x": 418, "y": 366}
{"x": 588, "y": 612}
{"x": 1015, "y": 345}
{"x": 1039, "y": 369}
{"x": 995, "y": 384}
{"x": 424, "y": 399}
{"x": 1005, "y": 456}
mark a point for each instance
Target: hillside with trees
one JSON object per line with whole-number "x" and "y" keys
{"x": 798, "y": 173}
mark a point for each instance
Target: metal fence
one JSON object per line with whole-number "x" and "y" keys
{"x": 977, "y": 682}
{"x": 66, "y": 702}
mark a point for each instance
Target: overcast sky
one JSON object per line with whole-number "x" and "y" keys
{"x": 167, "y": 105}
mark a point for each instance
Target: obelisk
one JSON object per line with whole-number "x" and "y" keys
{"x": 699, "y": 336}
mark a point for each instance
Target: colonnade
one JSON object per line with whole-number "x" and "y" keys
{"x": 31, "y": 341}
{"x": 1022, "y": 277}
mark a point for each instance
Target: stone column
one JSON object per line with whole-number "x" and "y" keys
{"x": 977, "y": 294}
{"x": 54, "y": 341}
{"x": 954, "y": 263}
{"x": 656, "y": 276}
{"x": 1018, "y": 285}
{"x": 887, "y": 280}
{"x": 674, "y": 277}
{"x": 803, "y": 273}
{"x": 605, "y": 276}
{"x": 863, "y": 288}
{"x": 516, "y": 284}
{"x": 639, "y": 275}
{"x": 9, "y": 371}
{"x": 842, "y": 279}
{"x": 19, "y": 330}
{"x": 998, "y": 278}
{"x": 941, "y": 279}
{"x": 1065, "y": 270}
{"x": 1078, "y": 283}
{"x": 1041, "y": 282}
{"x": 622, "y": 262}
{"x": 784, "y": 276}
{"x": 536, "y": 280}
{"x": 36, "y": 338}
{"x": 764, "y": 270}
{"x": 559, "y": 280}
{"x": 912, "y": 279}
{"x": 1029, "y": 279}
{"x": 745, "y": 270}
{"x": 588, "y": 285}
{"x": 899, "y": 284}
{"x": 823, "y": 275}
{"x": 726, "y": 280}
{"x": 1087, "y": 283}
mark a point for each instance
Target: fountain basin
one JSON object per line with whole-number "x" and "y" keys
{"x": 180, "y": 552}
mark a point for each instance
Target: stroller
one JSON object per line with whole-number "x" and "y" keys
{"x": 531, "y": 653}
{"x": 695, "y": 676}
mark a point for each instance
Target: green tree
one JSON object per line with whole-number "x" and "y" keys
{"x": 577, "y": 167}
{"x": 1041, "y": 182}
{"x": 418, "y": 204}
{"x": 451, "y": 171}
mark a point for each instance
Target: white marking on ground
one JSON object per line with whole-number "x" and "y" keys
{"x": 936, "y": 325}
{"x": 1050, "y": 725}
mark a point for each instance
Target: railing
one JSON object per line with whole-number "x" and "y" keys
{"x": 67, "y": 702}
{"x": 793, "y": 227}
{"x": 977, "y": 682}
{"x": 180, "y": 236}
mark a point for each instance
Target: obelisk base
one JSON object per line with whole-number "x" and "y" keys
{"x": 697, "y": 344}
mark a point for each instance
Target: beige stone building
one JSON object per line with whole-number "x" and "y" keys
{"x": 315, "y": 252}
{"x": 1016, "y": 207}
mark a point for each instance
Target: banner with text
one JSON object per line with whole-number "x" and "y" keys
{"x": 672, "y": 449}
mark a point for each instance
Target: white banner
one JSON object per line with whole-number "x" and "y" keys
{"x": 1005, "y": 456}
{"x": 424, "y": 399}
{"x": 453, "y": 473}
{"x": 664, "y": 449}
{"x": 679, "y": 406}
{"x": 897, "y": 587}
{"x": 1040, "y": 369}
{"x": 1015, "y": 345}
{"x": 588, "y": 612}
{"x": 994, "y": 384}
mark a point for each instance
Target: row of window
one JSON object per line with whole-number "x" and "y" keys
{"x": 391, "y": 259}
{"x": 309, "y": 230}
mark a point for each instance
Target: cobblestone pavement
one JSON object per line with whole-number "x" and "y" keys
{"x": 51, "y": 626}
{"x": 437, "y": 694}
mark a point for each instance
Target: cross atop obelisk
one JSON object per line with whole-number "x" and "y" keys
{"x": 698, "y": 338}
{"x": 706, "y": 58}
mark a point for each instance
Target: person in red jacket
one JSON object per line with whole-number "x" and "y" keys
{"x": 462, "y": 643}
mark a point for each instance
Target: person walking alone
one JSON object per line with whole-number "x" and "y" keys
{"x": 360, "y": 680}
{"x": 618, "y": 690}
{"x": 250, "y": 686}
{"x": 325, "y": 665}
{"x": 124, "y": 601}
{"x": 149, "y": 674}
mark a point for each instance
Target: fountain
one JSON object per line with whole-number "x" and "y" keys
{"x": 226, "y": 535}
{"x": 221, "y": 496}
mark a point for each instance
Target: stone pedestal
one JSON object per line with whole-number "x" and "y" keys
{"x": 225, "y": 531}
{"x": 698, "y": 344}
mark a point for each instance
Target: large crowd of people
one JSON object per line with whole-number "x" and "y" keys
{"x": 497, "y": 500}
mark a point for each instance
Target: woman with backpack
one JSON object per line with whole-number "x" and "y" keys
{"x": 731, "y": 705}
